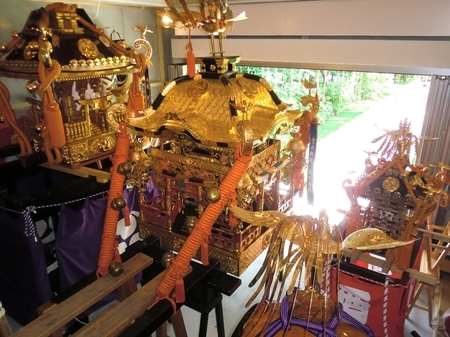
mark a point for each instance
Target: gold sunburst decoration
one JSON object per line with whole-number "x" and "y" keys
{"x": 87, "y": 48}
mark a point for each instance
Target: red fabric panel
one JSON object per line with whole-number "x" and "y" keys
{"x": 363, "y": 299}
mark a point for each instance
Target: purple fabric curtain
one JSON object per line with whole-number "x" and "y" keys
{"x": 79, "y": 234}
{"x": 78, "y": 239}
{"x": 24, "y": 283}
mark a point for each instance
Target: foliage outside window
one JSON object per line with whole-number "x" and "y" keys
{"x": 343, "y": 94}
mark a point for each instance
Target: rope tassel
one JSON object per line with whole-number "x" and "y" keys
{"x": 204, "y": 255}
{"x": 52, "y": 113}
{"x": 180, "y": 294}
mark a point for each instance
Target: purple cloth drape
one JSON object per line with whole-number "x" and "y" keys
{"x": 79, "y": 236}
{"x": 24, "y": 283}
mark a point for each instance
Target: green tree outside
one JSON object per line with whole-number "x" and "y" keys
{"x": 343, "y": 95}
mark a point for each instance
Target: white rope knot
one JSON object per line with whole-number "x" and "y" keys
{"x": 29, "y": 230}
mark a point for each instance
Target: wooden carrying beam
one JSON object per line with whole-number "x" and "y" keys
{"x": 58, "y": 315}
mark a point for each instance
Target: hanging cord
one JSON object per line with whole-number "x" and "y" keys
{"x": 111, "y": 36}
{"x": 385, "y": 306}
{"x": 98, "y": 9}
{"x": 136, "y": 102}
{"x": 52, "y": 113}
{"x": 190, "y": 57}
{"x": 49, "y": 69}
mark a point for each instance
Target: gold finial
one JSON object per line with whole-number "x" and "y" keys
{"x": 144, "y": 30}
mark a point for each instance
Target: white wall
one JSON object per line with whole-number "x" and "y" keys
{"x": 410, "y": 36}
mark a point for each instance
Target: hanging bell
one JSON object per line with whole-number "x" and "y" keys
{"x": 213, "y": 194}
{"x": 124, "y": 168}
{"x": 115, "y": 268}
{"x": 118, "y": 203}
{"x": 167, "y": 258}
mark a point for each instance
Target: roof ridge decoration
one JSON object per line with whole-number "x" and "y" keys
{"x": 213, "y": 17}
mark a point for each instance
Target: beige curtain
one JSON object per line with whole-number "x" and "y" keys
{"x": 436, "y": 123}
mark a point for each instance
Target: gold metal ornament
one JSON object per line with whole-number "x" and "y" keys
{"x": 31, "y": 50}
{"x": 391, "y": 184}
{"x": 197, "y": 88}
{"x": 213, "y": 194}
{"x": 248, "y": 87}
{"x": 118, "y": 203}
{"x": 142, "y": 42}
{"x": 87, "y": 48}
{"x": 189, "y": 222}
{"x": 125, "y": 168}
{"x": 115, "y": 268}
{"x": 167, "y": 258}
{"x": 300, "y": 249}
{"x": 32, "y": 86}
{"x": 214, "y": 18}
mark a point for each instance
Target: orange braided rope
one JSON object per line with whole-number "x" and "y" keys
{"x": 9, "y": 116}
{"x": 108, "y": 248}
{"x": 135, "y": 97}
{"x": 52, "y": 113}
{"x": 180, "y": 264}
{"x": 190, "y": 57}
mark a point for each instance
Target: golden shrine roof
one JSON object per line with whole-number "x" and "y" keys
{"x": 71, "y": 38}
{"x": 206, "y": 107}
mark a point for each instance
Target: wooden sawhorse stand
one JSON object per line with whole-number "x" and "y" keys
{"x": 55, "y": 316}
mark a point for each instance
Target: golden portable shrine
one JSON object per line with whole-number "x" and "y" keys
{"x": 198, "y": 123}
{"x": 75, "y": 72}
{"x": 401, "y": 194}
{"x": 226, "y": 158}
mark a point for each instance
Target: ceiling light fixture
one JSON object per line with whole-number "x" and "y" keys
{"x": 166, "y": 20}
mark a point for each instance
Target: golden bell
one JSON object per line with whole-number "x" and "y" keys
{"x": 118, "y": 203}
{"x": 167, "y": 259}
{"x": 124, "y": 168}
{"x": 115, "y": 268}
{"x": 213, "y": 194}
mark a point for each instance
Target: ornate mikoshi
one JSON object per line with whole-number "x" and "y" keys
{"x": 196, "y": 123}
{"x": 294, "y": 278}
{"x": 401, "y": 195}
{"x": 72, "y": 65}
